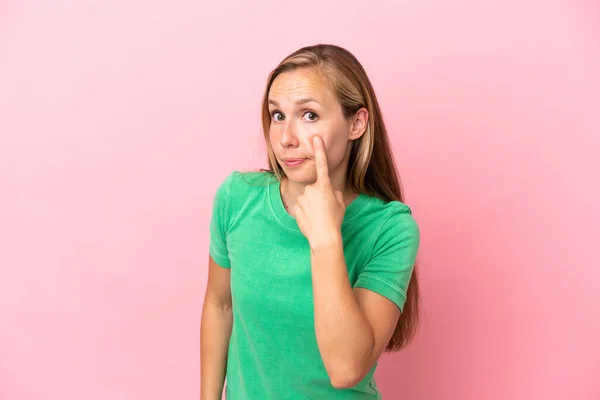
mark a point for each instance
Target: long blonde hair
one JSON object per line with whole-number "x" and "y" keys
{"x": 371, "y": 168}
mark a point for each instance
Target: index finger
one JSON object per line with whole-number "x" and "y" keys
{"x": 321, "y": 160}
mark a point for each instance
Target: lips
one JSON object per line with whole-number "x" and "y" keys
{"x": 293, "y": 162}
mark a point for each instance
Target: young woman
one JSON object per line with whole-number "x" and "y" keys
{"x": 312, "y": 262}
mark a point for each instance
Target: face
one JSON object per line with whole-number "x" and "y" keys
{"x": 302, "y": 105}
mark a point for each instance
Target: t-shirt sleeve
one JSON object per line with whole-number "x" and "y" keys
{"x": 219, "y": 223}
{"x": 392, "y": 262}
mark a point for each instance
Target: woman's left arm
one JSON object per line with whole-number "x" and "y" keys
{"x": 352, "y": 327}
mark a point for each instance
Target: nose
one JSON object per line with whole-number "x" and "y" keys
{"x": 289, "y": 138}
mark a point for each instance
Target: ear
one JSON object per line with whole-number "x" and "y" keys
{"x": 358, "y": 123}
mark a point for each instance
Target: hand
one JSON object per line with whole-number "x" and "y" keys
{"x": 320, "y": 211}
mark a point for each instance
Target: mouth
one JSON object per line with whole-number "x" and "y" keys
{"x": 293, "y": 162}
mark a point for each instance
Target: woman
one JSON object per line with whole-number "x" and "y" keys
{"x": 311, "y": 268}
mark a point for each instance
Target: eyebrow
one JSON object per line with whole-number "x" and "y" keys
{"x": 297, "y": 102}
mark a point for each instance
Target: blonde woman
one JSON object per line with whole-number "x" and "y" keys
{"x": 312, "y": 262}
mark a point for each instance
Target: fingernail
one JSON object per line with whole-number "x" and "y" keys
{"x": 316, "y": 140}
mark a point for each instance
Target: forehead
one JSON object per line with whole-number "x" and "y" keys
{"x": 301, "y": 83}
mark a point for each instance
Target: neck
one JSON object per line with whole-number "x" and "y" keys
{"x": 290, "y": 191}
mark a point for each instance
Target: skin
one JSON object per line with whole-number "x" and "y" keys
{"x": 215, "y": 332}
{"x": 352, "y": 326}
{"x": 294, "y": 125}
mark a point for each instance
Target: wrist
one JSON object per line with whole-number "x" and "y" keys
{"x": 326, "y": 243}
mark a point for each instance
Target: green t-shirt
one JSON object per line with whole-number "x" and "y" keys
{"x": 273, "y": 351}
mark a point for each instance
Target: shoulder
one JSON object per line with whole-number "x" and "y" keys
{"x": 401, "y": 213}
{"x": 238, "y": 180}
{"x": 395, "y": 219}
{"x": 393, "y": 212}
{"x": 240, "y": 186}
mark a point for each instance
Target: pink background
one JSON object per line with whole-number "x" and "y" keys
{"x": 118, "y": 119}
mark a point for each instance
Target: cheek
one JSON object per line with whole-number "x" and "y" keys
{"x": 306, "y": 142}
{"x": 274, "y": 137}
{"x": 330, "y": 135}
{"x": 336, "y": 144}
{"x": 336, "y": 151}
{"x": 306, "y": 132}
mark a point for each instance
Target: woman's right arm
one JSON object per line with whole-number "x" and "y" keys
{"x": 215, "y": 332}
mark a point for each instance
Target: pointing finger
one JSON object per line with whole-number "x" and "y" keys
{"x": 321, "y": 160}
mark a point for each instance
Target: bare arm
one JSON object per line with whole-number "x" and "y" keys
{"x": 352, "y": 326}
{"x": 215, "y": 332}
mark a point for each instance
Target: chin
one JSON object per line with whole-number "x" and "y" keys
{"x": 298, "y": 175}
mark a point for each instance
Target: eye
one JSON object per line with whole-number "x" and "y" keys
{"x": 311, "y": 116}
{"x": 276, "y": 114}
